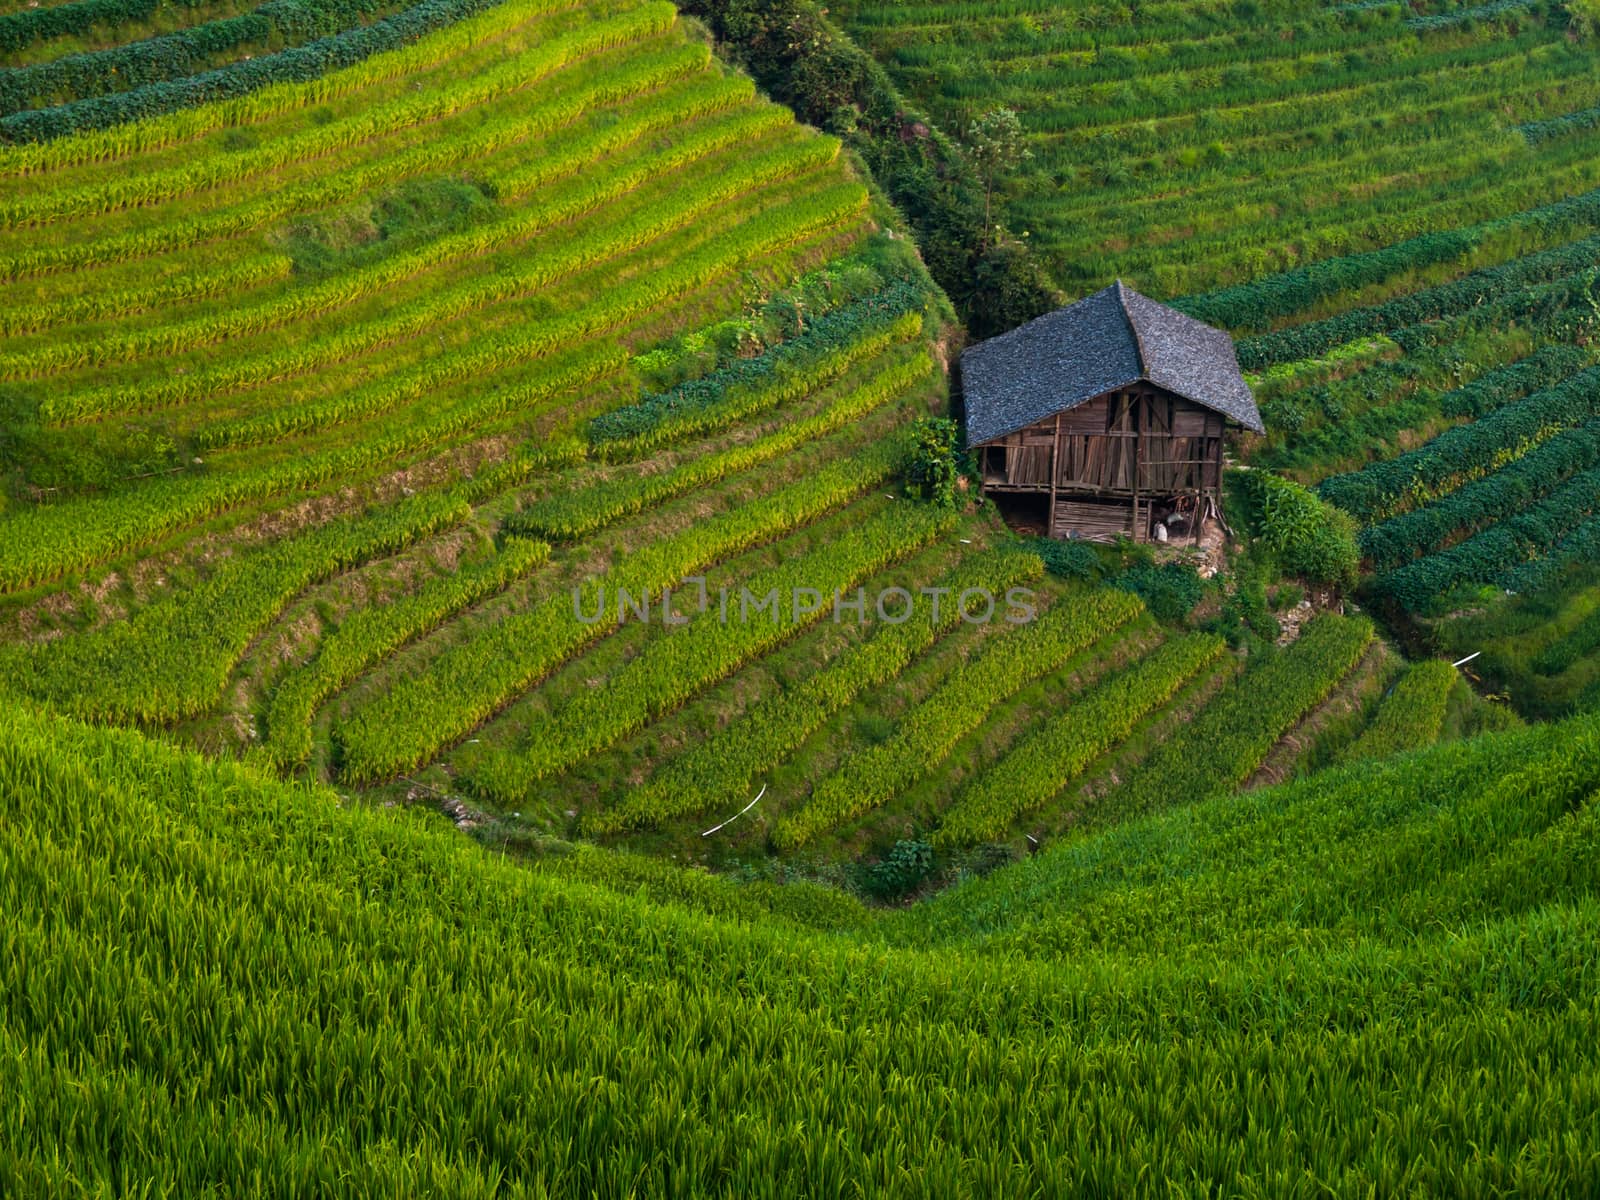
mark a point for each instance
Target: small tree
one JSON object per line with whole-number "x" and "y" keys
{"x": 1584, "y": 16}
{"x": 995, "y": 145}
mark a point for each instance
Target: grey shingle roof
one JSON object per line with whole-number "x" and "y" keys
{"x": 1106, "y": 341}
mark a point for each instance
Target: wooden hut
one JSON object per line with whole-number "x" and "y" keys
{"x": 1107, "y": 417}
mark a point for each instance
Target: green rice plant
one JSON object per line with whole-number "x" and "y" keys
{"x": 959, "y": 705}
{"x": 727, "y": 764}
{"x": 573, "y": 514}
{"x": 1228, "y": 739}
{"x": 368, "y": 635}
{"x": 1044, "y": 762}
{"x": 668, "y": 107}
{"x": 672, "y": 669}
{"x": 172, "y": 659}
{"x": 183, "y": 52}
{"x": 777, "y": 378}
{"x": 43, "y": 543}
{"x": 1450, "y": 299}
{"x": 1389, "y": 948}
{"x": 467, "y": 683}
{"x": 528, "y": 276}
{"x": 192, "y": 123}
{"x": 1410, "y": 716}
{"x": 101, "y": 305}
{"x": 342, "y": 291}
{"x": 33, "y": 209}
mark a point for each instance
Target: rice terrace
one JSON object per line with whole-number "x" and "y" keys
{"x": 757, "y": 598}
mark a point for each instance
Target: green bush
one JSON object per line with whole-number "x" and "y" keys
{"x": 931, "y": 467}
{"x": 1307, "y": 536}
{"x": 902, "y": 871}
{"x": 1169, "y": 590}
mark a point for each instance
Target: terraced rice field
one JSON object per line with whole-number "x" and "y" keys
{"x": 500, "y": 408}
{"x": 1394, "y": 208}
{"x": 361, "y": 416}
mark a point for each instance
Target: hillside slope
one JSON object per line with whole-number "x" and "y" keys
{"x": 1381, "y": 980}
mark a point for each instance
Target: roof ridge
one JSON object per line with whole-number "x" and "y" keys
{"x": 1133, "y": 328}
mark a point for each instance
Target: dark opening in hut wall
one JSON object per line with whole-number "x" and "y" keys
{"x": 1142, "y": 449}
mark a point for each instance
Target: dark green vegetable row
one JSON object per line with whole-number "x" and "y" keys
{"x": 175, "y": 55}
{"x": 298, "y": 64}
{"x": 1450, "y": 299}
{"x": 1498, "y": 552}
{"x": 1366, "y": 493}
{"x": 1485, "y": 501}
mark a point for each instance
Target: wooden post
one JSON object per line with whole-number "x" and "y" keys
{"x": 1055, "y": 474}
{"x": 1136, "y": 409}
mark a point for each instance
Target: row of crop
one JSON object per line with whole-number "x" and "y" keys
{"x": 21, "y": 29}
{"x": 172, "y": 659}
{"x": 174, "y": 55}
{"x": 1405, "y": 951}
{"x": 1410, "y": 716}
{"x": 1254, "y": 304}
{"x": 1433, "y": 22}
{"x": 594, "y": 359}
{"x": 929, "y": 732}
{"x": 341, "y": 291}
{"x": 573, "y": 514}
{"x": 1581, "y": 544}
{"x": 829, "y": 345}
{"x": 43, "y": 543}
{"x": 479, "y": 147}
{"x": 527, "y": 343}
{"x": 620, "y": 235}
{"x": 1380, "y": 490}
{"x": 1458, "y": 296}
{"x": 413, "y": 107}
{"x": 1504, "y": 549}
{"x": 193, "y": 123}
{"x": 467, "y": 683}
{"x": 369, "y": 635}
{"x": 1243, "y": 241}
{"x": 1227, "y": 740}
{"x": 1348, "y": 86}
{"x": 81, "y": 404}
{"x": 578, "y": 253}
{"x": 1524, "y": 531}
{"x": 1507, "y": 491}
{"x": 1366, "y": 414}
{"x": 679, "y": 665}
{"x": 1578, "y": 644}
{"x": 102, "y": 303}
{"x": 1232, "y": 246}
{"x": 728, "y": 762}
{"x": 1043, "y": 763}
{"x": 1580, "y": 121}
{"x": 239, "y": 78}
{"x": 548, "y": 377}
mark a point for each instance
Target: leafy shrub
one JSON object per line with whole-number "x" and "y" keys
{"x": 1169, "y": 590}
{"x": 931, "y": 469}
{"x": 1068, "y": 560}
{"x": 1308, "y": 536}
{"x": 906, "y": 867}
